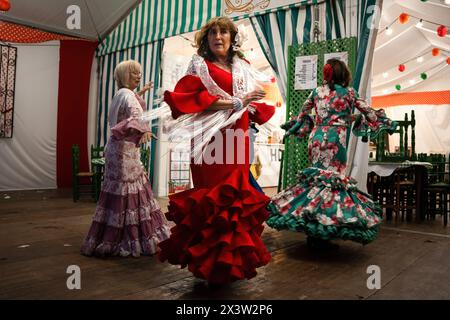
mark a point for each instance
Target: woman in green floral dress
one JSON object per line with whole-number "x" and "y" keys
{"x": 325, "y": 203}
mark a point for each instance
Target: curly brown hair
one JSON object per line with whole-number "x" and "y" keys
{"x": 341, "y": 74}
{"x": 201, "y": 38}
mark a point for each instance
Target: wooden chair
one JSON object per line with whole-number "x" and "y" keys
{"x": 82, "y": 182}
{"x": 437, "y": 189}
{"x": 405, "y": 193}
{"x": 97, "y": 152}
{"x": 403, "y": 154}
{"x": 97, "y": 168}
{"x": 382, "y": 190}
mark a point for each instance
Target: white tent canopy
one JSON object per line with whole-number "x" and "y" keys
{"x": 97, "y": 18}
{"x": 408, "y": 42}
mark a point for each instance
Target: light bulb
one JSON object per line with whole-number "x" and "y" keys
{"x": 420, "y": 59}
{"x": 447, "y": 2}
{"x": 412, "y": 81}
{"x": 385, "y": 91}
{"x": 388, "y": 31}
{"x": 419, "y": 24}
{"x": 385, "y": 74}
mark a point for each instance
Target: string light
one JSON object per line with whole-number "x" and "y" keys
{"x": 402, "y": 19}
{"x": 420, "y": 59}
{"x": 385, "y": 74}
{"x": 412, "y": 81}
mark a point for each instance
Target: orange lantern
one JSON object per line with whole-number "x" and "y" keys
{"x": 403, "y": 18}
{"x": 448, "y": 61}
{"x": 435, "y": 52}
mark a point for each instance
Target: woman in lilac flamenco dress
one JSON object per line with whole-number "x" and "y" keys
{"x": 128, "y": 219}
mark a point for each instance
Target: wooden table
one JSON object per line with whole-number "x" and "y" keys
{"x": 385, "y": 169}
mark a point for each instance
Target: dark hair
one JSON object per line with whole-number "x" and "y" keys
{"x": 201, "y": 38}
{"x": 341, "y": 74}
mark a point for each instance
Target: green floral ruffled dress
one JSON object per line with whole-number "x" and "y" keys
{"x": 325, "y": 203}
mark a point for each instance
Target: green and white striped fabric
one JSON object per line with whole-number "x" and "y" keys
{"x": 278, "y": 30}
{"x": 149, "y": 56}
{"x": 154, "y": 20}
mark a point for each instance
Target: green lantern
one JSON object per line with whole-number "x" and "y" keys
{"x": 398, "y": 87}
{"x": 423, "y": 76}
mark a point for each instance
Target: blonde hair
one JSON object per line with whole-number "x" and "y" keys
{"x": 201, "y": 38}
{"x": 123, "y": 70}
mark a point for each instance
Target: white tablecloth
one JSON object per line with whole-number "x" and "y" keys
{"x": 385, "y": 169}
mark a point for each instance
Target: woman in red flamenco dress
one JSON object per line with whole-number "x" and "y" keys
{"x": 219, "y": 221}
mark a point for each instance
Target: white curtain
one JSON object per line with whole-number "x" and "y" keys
{"x": 28, "y": 160}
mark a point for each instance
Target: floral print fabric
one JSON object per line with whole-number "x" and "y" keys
{"x": 325, "y": 203}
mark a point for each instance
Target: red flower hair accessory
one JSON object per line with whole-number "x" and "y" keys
{"x": 327, "y": 72}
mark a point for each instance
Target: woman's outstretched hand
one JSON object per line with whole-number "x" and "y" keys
{"x": 253, "y": 96}
{"x": 146, "y": 88}
{"x": 146, "y": 137}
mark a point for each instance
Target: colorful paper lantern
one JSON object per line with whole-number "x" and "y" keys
{"x": 448, "y": 61}
{"x": 442, "y": 31}
{"x": 423, "y": 76}
{"x": 5, "y": 5}
{"x": 435, "y": 52}
{"x": 401, "y": 67}
{"x": 403, "y": 18}
{"x": 398, "y": 87}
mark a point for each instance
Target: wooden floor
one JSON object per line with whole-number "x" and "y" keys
{"x": 41, "y": 231}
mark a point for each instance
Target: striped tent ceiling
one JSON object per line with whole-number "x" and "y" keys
{"x": 153, "y": 20}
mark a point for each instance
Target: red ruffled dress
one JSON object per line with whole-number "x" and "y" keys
{"x": 218, "y": 222}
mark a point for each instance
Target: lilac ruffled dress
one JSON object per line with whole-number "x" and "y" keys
{"x": 128, "y": 219}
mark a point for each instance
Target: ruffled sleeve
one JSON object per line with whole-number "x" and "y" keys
{"x": 370, "y": 122}
{"x": 132, "y": 128}
{"x": 262, "y": 112}
{"x": 302, "y": 125}
{"x": 189, "y": 96}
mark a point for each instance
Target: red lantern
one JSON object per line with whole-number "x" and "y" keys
{"x": 403, "y": 18}
{"x": 448, "y": 61}
{"x": 5, "y": 5}
{"x": 435, "y": 52}
{"x": 401, "y": 68}
{"x": 442, "y": 31}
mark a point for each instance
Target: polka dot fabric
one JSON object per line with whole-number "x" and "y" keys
{"x": 10, "y": 32}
